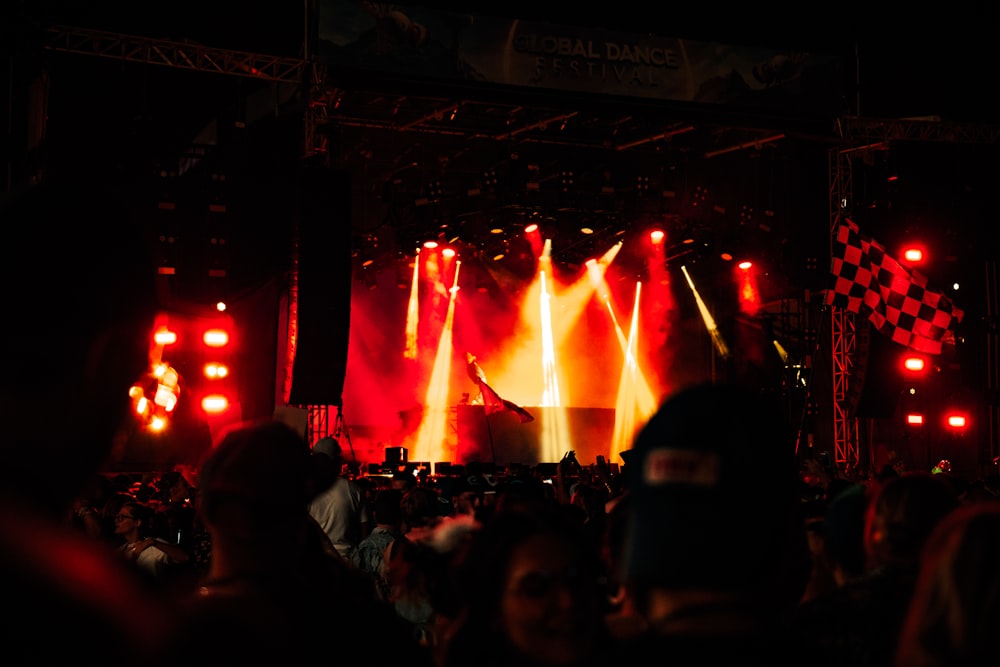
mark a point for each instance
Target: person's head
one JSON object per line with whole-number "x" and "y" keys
{"x": 132, "y": 519}
{"x": 902, "y": 514}
{"x": 955, "y": 607}
{"x": 422, "y": 508}
{"x": 387, "y": 507}
{"x": 402, "y": 480}
{"x": 78, "y": 338}
{"x": 714, "y": 498}
{"x": 327, "y": 463}
{"x": 173, "y": 487}
{"x": 254, "y": 485}
{"x": 532, "y": 584}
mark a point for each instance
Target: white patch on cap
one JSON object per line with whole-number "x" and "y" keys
{"x": 681, "y": 466}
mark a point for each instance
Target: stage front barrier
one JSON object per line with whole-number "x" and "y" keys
{"x": 503, "y": 439}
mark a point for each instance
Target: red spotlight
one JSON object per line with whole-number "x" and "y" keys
{"x": 530, "y": 229}
{"x": 656, "y": 236}
{"x": 215, "y": 338}
{"x": 956, "y": 421}
{"x": 914, "y": 364}
{"x": 448, "y": 252}
{"x": 430, "y": 244}
{"x": 914, "y": 419}
{"x": 913, "y": 253}
{"x": 745, "y": 265}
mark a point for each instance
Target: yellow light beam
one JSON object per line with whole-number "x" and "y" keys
{"x": 713, "y": 330}
{"x": 431, "y": 443}
{"x": 413, "y": 311}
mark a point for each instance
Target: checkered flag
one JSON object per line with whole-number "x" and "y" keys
{"x": 896, "y": 299}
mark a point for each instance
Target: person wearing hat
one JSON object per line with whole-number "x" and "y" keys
{"x": 340, "y": 506}
{"x": 715, "y": 555}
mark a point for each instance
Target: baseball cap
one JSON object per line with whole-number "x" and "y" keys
{"x": 329, "y": 446}
{"x": 714, "y": 488}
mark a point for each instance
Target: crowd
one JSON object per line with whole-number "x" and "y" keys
{"x": 710, "y": 548}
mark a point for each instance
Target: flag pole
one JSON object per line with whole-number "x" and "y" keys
{"x": 489, "y": 434}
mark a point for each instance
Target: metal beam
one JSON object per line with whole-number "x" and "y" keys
{"x": 66, "y": 39}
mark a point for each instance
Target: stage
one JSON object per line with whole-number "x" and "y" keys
{"x": 501, "y": 438}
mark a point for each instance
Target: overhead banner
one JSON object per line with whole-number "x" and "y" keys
{"x": 452, "y": 47}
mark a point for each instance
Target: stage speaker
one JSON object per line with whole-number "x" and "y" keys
{"x": 324, "y": 286}
{"x": 395, "y": 456}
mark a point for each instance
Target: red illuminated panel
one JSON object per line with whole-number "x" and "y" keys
{"x": 216, "y": 338}
{"x": 214, "y": 403}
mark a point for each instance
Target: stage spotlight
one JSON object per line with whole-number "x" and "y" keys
{"x": 657, "y": 236}
{"x": 448, "y": 252}
{"x": 430, "y": 244}
{"x": 530, "y": 229}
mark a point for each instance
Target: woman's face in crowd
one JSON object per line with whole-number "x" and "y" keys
{"x": 550, "y": 605}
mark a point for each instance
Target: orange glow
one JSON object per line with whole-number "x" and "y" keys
{"x": 215, "y": 370}
{"x": 430, "y": 244}
{"x": 216, "y": 338}
{"x": 448, "y": 252}
{"x": 749, "y": 294}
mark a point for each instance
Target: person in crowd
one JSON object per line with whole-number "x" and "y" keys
{"x": 157, "y": 559}
{"x": 624, "y": 621}
{"x": 531, "y": 590}
{"x": 369, "y": 557}
{"x": 715, "y": 557}
{"x": 275, "y": 593}
{"x": 339, "y": 506}
{"x": 954, "y": 609}
{"x": 423, "y": 507}
{"x": 85, "y": 513}
{"x": 858, "y": 622}
{"x": 402, "y": 481}
{"x": 78, "y": 340}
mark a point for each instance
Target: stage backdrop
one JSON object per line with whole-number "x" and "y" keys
{"x": 503, "y": 439}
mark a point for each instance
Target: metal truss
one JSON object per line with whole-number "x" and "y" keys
{"x": 917, "y": 129}
{"x": 68, "y": 39}
{"x": 843, "y": 341}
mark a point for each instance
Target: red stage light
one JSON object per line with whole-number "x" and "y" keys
{"x": 956, "y": 421}
{"x": 914, "y": 363}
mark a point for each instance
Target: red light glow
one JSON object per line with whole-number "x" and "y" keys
{"x": 214, "y": 404}
{"x": 216, "y": 338}
{"x": 956, "y": 422}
